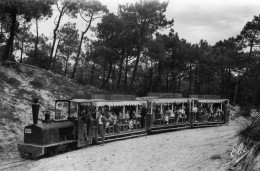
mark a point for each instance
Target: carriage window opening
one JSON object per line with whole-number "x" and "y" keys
{"x": 85, "y": 110}
{"x": 73, "y": 110}
{"x": 61, "y": 110}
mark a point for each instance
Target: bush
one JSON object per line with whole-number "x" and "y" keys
{"x": 250, "y": 131}
{"x": 1, "y": 148}
{"x": 215, "y": 157}
{"x": 9, "y": 80}
{"x": 246, "y": 111}
{"x": 7, "y": 113}
{"x": 12, "y": 81}
{"x": 38, "y": 83}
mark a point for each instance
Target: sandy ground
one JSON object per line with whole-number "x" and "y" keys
{"x": 205, "y": 149}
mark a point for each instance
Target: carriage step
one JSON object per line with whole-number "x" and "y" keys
{"x": 121, "y": 138}
{"x": 169, "y": 126}
{"x": 168, "y": 129}
{"x": 207, "y": 125}
{"x": 122, "y": 134}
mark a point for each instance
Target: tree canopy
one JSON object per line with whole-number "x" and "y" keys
{"x": 135, "y": 50}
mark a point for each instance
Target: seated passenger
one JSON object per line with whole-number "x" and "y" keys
{"x": 172, "y": 114}
{"x": 127, "y": 116}
{"x": 181, "y": 114}
{"x": 206, "y": 115}
{"x": 219, "y": 110}
{"x": 218, "y": 113}
{"x": 111, "y": 118}
{"x": 168, "y": 114}
{"x": 195, "y": 111}
{"x": 138, "y": 114}
{"x": 114, "y": 117}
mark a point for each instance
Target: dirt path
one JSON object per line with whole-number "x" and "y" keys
{"x": 193, "y": 149}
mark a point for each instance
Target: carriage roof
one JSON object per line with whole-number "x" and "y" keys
{"x": 211, "y": 100}
{"x": 103, "y": 102}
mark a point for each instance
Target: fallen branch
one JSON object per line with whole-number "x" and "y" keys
{"x": 240, "y": 159}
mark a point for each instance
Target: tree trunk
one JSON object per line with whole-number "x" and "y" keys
{"x": 222, "y": 78}
{"x": 135, "y": 67}
{"x": 79, "y": 48}
{"x": 104, "y": 74}
{"x": 159, "y": 75}
{"x": 36, "y": 43}
{"x": 120, "y": 71}
{"x": 151, "y": 80}
{"x": 208, "y": 80}
{"x": 179, "y": 84}
{"x": 113, "y": 78}
{"x": 11, "y": 57}
{"x": 77, "y": 58}
{"x": 92, "y": 74}
{"x": 81, "y": 75}
{"x": 167, "y": 81}
{"x": 196, "y": 80}
{"x": 108, "y": 75}
{"x": 21, "y": 56}
{"x": 11, "y": 37}
{"x": 55, "y": 57}
{"x": 190, "y": 78}
{"x": 173, "y": 83}
{"x": 228, "y": 78}
{"x": 235, "y": 94}
{"x": 62, "y": 11}
{"x": 66, "y": 66}
{"x": 125, "y": 81}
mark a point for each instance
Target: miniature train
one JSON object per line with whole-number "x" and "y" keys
{"x": 74, "y": 124}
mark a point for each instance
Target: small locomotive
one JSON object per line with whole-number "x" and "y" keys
{"x": 59, "y": 134}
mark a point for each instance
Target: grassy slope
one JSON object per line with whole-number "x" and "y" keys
{"x": 17, "y": 85}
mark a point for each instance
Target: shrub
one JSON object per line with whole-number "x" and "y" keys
{"x": 38, "y": 83}
{"x": 12, "y": 81}
{"x": 9, "y": 80}
{"x": 1, "y": 148}
{"x": 250, "y": 131}
{"x": 245, "y": 111}
{"x": 215, "y": 157}
{"x": 7, "y": 113}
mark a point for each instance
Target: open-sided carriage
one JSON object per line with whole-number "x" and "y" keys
{"x": 208, "y": 110}
{"x": 166, "y": 111}
{"x": 125, "y": 115}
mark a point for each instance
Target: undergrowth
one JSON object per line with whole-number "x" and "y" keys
{"x": 7, "y": 113}
{"x": 250, "y": 130}
{"x": 38, "y": 83}
{"x": 9, "y": 80}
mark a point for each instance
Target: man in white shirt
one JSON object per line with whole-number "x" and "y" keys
{"x": 195, "y": 111}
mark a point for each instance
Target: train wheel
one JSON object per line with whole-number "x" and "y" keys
{"x": 35, "y": 157}
{"x": 22, "y": 155}
{"x": 50, "y": 152}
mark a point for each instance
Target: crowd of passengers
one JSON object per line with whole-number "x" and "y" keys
{"x": 180, "y": 113}
{"x": 207, "y": 112}
{"x": 166, "y": 114}
{"x": 116, "y": 118}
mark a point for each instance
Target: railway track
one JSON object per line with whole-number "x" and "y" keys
{"x": 12, "y": 165}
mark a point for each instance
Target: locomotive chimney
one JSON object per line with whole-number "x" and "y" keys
{"x": 35, "y": 109}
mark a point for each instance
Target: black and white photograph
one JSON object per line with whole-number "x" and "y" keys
{"x": 129, "y": 85}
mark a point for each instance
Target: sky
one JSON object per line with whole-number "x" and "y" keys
{"x": 211, "y": 20}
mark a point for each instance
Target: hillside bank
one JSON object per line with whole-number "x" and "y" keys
{"x": 18, "y": 84}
